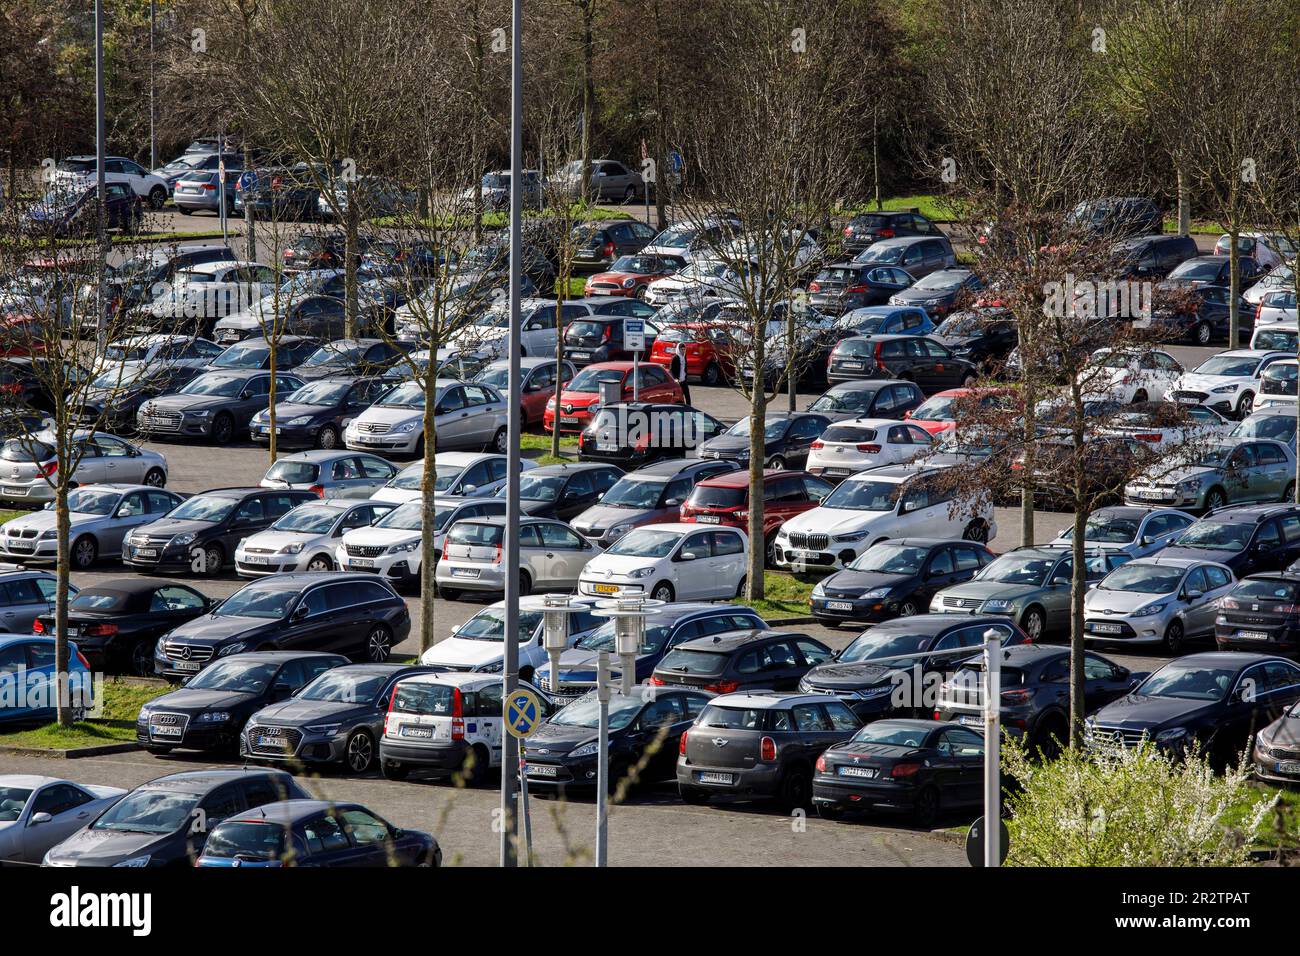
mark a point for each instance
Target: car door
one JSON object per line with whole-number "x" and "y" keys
{"x": 566, "y": 553}
{"x": 312, "y": 627}
{"x": 726, "y": 562}
{"x": 1103, "y": 681}
{"x": 21, "y": 602}
{"x": 965, "y": 751}
{"x": 949, "y": 371}
{"x": 90, "y": 468}
{"x": 783, "y": 667}
{"x": 798, "y": 440}
{"x": 652, "y": 737}
{"x": 66, "y": 805}
{"x": 489, "y": 709}
{"x": 328, "y": 843}
{"x": 538, "y": 336}
{"x": 451, "y": 421}
{"x": 131, "y": 512}
{"x": 116, "y": 462}
{"x": 1272, "y": 471}
{"x": 939, "y": 572}
{"x": 578, "y": 495}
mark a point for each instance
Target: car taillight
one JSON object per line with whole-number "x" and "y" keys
{"x": 767, "y": 750}
{"x": 100, "y": 630}
{"x": 47, "y": 470}
{"x": 814, "y": 287}
{"x": 1018, "y": 696}
{"x": 681, "y": 742}
{"x": 389, "y": 715}
{"x": 903, "y": 770}
{"x": 1259, "y": 309}
{"x": 723, "y": 687}
{"x": 886, "y": 233}
{"x": 317, "y": 490}
{"x": 848, "y": 231}
{"x": 817, "y": 445}
{"x": 821, "y": 764}
{"x": 38, "y": 627}
{"x": 209, "y": 186}
{"x": 856, "y": 288}
{"x": 609, "y": 333}
{"x": 288, "y": 253}
{"x": 496, "y": 558}
{"x": 457, "y": 715}
{"x": 609, "y": 249}
{"x": 1152, "y": 436}
{"x": 84, "y": 663}
{"x": 869, "y": 449}
{"x": 657, "y": 681}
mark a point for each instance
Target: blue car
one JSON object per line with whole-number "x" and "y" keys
{"x": 27, "y": 686}
{"x": 664, "y": 630}
{"x": 887, "y": 320}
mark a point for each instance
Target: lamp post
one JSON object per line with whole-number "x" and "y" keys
{"x": 992, "y": 747}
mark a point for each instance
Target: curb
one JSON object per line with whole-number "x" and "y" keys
{"x": 72, "y": 753}
{"x": 806, "y": 619}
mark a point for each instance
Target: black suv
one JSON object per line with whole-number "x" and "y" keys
{"x": 201, "y": 533}
{"x": 1117, "y": 216}
{"x": 983, "y": 336}
{"x": 740, "y": 660}
{"x": 868, "y": 227}
{"x": 634, "y": 434}
{"x": 337, "y": 611}
{"x": 1247, "y": 538}
{"x": 1152, "y": 255}
{"x": 216, "y": 405}
{"x": 760, "y": 745}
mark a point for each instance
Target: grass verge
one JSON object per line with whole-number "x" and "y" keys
{"x": 537, "y": 448}
{"x": 784, "y": 595}
{"x": 122, "y": 701}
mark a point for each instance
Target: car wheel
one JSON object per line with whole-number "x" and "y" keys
{"x": 525, "y": 584}
{"x": 142, "y": 659}
{"x": 629, "y": 195}
{"x": 1288, "y": 493}
{"x": 663, "y": 591}
{"x": 777, "y": 463}
{"x": 908, "y": 609}
{"x": 926, "y": 809}
{"x": 393, "y": 771}
{"x": 474, "y": 771}
{"x": 84, "y": 552}
{"x": 1174, "y": 636}
{"x": 379, "y": 644}
{"x": 157, "y": 197}
{"x": 641, "y": 291}
{"x": 501, "y": 441}
{"x": 1202, "y": 333}
{"x": 223, "y": 429}
{"x": 977, "y": 531}
{"x": 213, "y": 560}
{"x": 712, "y": 375}
{"x": 830, "y": 811}
{"x": 968, "y": 382}
{"x": 1139, "y": 396}
{"x": 359, "y": 752}
{"x": 1215, "y": 498}
{"x": 320, "y": 563}
{"x": 1051, "y": 734}
{"x": 1033, "y": 623}
{"x": 1246, "y": 405}
{"x": 740, "y": 588}
{"x": 156, "y": 478}
{"x": 692, "y": 795}
{"x": 184, "y": 211}
{"x": 795, "y": 790}
{"x": 449, "y": 594}
{"x": 327, "y": 438}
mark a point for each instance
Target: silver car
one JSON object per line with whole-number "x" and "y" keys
{"x": 468, "y": 415}
{"x": 648, "y": 495}
{"x": 1165, "y": 601}
{"x": 37, "y": 813}
{"x": 101, "y": 516}
{"x": 1137, "y": 532}
{"x": 917, "y": 255}
{"x": 551, "y": 556}
{"x": 1231, "y": 472}
{"x": 455, "y": 473}
{"x": 26, "y": 464}
{"x": 304, "y": 538}
{"x": 331, "y": 474}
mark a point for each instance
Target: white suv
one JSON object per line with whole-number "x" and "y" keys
{"x": 848, "y": 447}
{"x": 391, "y": 546}
{"x": 1227, "y": 382}
{"x": 896, "y": 501}
{"x": 477, "y": 645}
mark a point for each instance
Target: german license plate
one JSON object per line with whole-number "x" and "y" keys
{"x": 1252, "y": 635}
{"x": 361, "y": 562}
{"x": 708, "y": 519}
{"x": 256, "y": 559}
{"x": 711, "y": 777}
{"x": 464, "y": 572}
{"x": 276, "y": 743}
{"x": 857, "y": 771}
{"x": 1102, "y": 627}
{"x": 164, "y": 730}
{"x": 1151, "y": 495}
{"x": 579, "y": 355}
{"x": 837, "y": 472}
{"x": 806, "y": 554}
{"x": 1188, "y": 400}
{"x": 850, "y": 365}
{"x": 1290, "y": 768}
{"x": 146, "y": 552}
{"x": 569, "y": 420}
{"x": 970, "y": 720}
{"x": 542, "y": 770}
{"x": 16, "y": 545}
{"x": 186, "y": 665}
{"x": 15, "y": 491}
{"x": 605, "y": 588}
{"x": 422, "y": 732}
{"x": 607, "y": 446}
{"x": 839, "y": 605}
{"x": 370, "y": 441}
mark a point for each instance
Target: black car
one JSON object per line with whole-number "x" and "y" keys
{"x": 71, "y": 211}
{"x": 896, "y": 688}
{"x": 1280, "y": 378}
{"x": 1261, "y": 613}
{"x": 1202, "y": 315}
{"x": 983, "y": 336}
{"x": 1247, "y": 538}
{"x": 211, "y": 709}
{"x": 316, "y": 833}
{"x": 787, "y": 439}
{"x": 116, "y": 625}
{"x": 1035, "y": 700}
{"x": 644, "y": 730}
{"x": 916, "y": 358}
{"x": 315, "y": 415}
{"x": 895, "y": 579}
{"x": 318, "y": 315}
{"x": 336, "y": 719}
{"x": 598, "y": 245}
{"x": 1210, "y": 270}
{"x": 337, "y": 611}
{"x": 1116, "y": 217}
{"x": 1214, "y": 702}
{"x": 921, "y": 767}
{"x": 215, "y": 405}
{"x": 112, "y": 401}
{"x": 564, "y": 491}
{"x": 350, "y": 357}
{"x": 255, "y": 353}
{"x": 278, "y": 193}
{"x": 201, "y": 533}
{"x": 590, "y": 339}
{"x": 1152, "y": 255}
{"x": 761, "y": 744}
{"x": 941, "y": 291}
{"x": 166, "y": 821}
{"x": 26, "y": 383}
{"x": 844, "y": 286}
{"x": 868, "y": 227}
{"x": 740, "y": 660}
{"x": 879, "y": 398}
{"x": 634, "y": 434}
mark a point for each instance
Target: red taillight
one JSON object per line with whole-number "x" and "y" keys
{"x": 817, "y": 445}
{"x": 84, "y": 663}
{"x": 821, "y": 764}
{"x": 903, "y": 770}
{"x": 317, "y": 490}
{"x": 869, "y": 449}
{"x": 100, "y": 630}
{"x": 848, "y": 231}
{"x": 1018, "y": 696}
{"x": 814, "y": 287}
{"x": 856, "y": 288}
{"x": 681, "y": 743}
{"x": 209, "y": 187}
{"x": 609, "y": 249}
{"x": 658, "y": 682}
{"x": 886, "y": 233}
{"x": 1147, "y": 437}
{"x": 496, "y": 558}
{"x": 392, "y": 698}
{"x": 38, "y": 627}
{"x": 457, "y": 715}
{"x": 1259, "y": 309}
{"x": 609, "y": 332}
{"x": 767, "y": 750}
{"x": 288, "y": 253}
{"x": 723, "y": 687}
{"x": 47, "y": 470}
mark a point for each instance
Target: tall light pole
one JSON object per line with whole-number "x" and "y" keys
{"x": 510, "y": 669}
{"x": 992, "y": 747}
{"x": 153, "y": 138}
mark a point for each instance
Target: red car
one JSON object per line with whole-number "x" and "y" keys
{"x": 21, "y": 335}
{"x": 582, "y": 395}
{"x": 725, "y": 500}
{"x": 938, "y": 413}
{"x": 707, "y": 348}
{"x": 629, "y": 275}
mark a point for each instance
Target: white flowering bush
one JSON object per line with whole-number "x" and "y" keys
{"x": 1138, "y": 808}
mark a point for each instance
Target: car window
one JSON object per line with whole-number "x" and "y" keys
{"x": 324, "y": 834}
{"x": 967, "y": 559}
{"x": 663, "y": 712}
{"x": 60, "y": 798}
{"x": 812, "y": 652}
{"x": 222, "y": 803}
{"x": 1216, "y": 576}
{"x": 558, "y": 536}
{"x": 810, "y": 717}
{"x": 1269, "y": 537}
{"x": 840, "y": 716}
{"x": 1097, "y": 668}
{"x": 364, "y": 828}
{"x": 174, "y": 599}
{"x": 941, "y": 563}
{"x": 726, "y": 542}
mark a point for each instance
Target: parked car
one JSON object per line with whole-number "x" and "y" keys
{"x": 1213, "y": 270}
{"x": 69, "y": 210}
{"x": 1261, "y": 614}
{"x": 630, "y": 275}
{"x": 598, "y": 245}
{"x": 487, "y": 335}
{"x": 316, "y": 414}
{"x": 632, "y": 435}
{"x": 867, "y": 228}
{"x": 316, "y": 833}
{"x": 330, "y": 474}
{"x": 1139, "y": 532}
{"x": 858, "y": 444}
{"x": 290, "y": 352}
{"x": 564, "y": 491}
{"x": 1130, "y": 375}
{"x": 895, "y": 579}
{"x": 111, "y": 402}
{"x": 27, "y": 462}
{"x": 1277, "y": 385}
{"x": 1154, "y": 255}
{"x": 843, "y": 287}
{"x": 1179, "y": 425}
{"x": 1260, "y": 246}
{"x": 1246, "y": 538}
{"x": 703, "y": 351}
{"x": 1214, "y": 701}
{"x": 83, "y": 171}
{"x": 741, "y": 660}
{"x": 202, "y": 191}
{"x": 918, "y": 359}
{"x": 391, "y": 546}
{"x": 305, "y": 538}
{"x": 200, "y": 534}
{"x": 917, "y": 255}
{"x": 469, "y": 474}
{"x": 981, "y": 335}
{"x": 100, "y": 517}
{"x": 209, "y": 712}
{"x": 669, "y": 562}
{"x": 941, "y": 291}
{"x": 575, "y": 407}
{"x": 723, "y": 501}
{"x": 29, "y": 677}
{"x": 694, "y": 239}
{"x": 599, "y": 340}
{"x": 1115, "y": 217}
{"x": 551, "y": 556}
{"x": 1276, "y": 422}
{"x": 607, "y": 179}
{"x": 208, "y": 160}
{"x": 154, "y": 824}
{"x": 787, "y": 439}
{"x": 38, "y": 812}
{"x": 537, "y": 384}
{"x": 1227, "y": 472}
{"x": 216, "y": 405}
{"x": 24, "y": 596}
{"x": 649, "y": 495}
{"x": 312, "y": 315}
{"x": 348, "y": 357}
{"x": 868, "y": 399}
{"x": 1202, "y": 314}
{"x": 465, "y": 416}
{"x": 1156, "y": 600}
{"x": 1275, "y": 749}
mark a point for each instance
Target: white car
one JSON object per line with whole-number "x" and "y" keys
{"x": 896, "y": 501}
{"x": 1227, "y": 382}
{"x": 1265, "y": 247}
{"x": 1130, "y": 375}
{"x": 700, "y": 277}
{"x": 37, "y": 813}
{"x": 178, "y": 351}
{"x": 1277, "y": 387}
{"x": 213, "y": 290}
{"x": 673, "y": 561}
{"x": 305, "y": 538}
{"x": 391, "y": 546}
{"x": 689, "y": 241}
{"x": 551, "y": 556}
{"x": 477, "y": 644}
{"x": 848, "y": 447}
{"x": 81, "y": 171}
{"x": 1276, "y": 308}
{"x": 467, "y": 415}
{"x": 1279, "y": 277}
{"x": 1169, "y": 423}
{"x": 456, "y": 473}
{"x": 1276, "y": 338}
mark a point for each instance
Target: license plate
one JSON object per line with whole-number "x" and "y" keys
{"x": 837, "y": 472}
{"x": 542, "y": 770}
{"x": 707, "y": 777}
{"x": 1290, "y": 768}
{"x": 1151, "y": 495}
{"x": 970, "y": 720}
{"x": 164, "y": 730}
{"x": 607, "y": 446}
{"x": 1187, "y": 400}
{"x": 370, "y": 441}
{"x": 1103, "y": 628}
{"x": 256, "y": 559}
{"x": 361, "y": 562}
{"x": 15, "y": 491}
{"x": 839, "y": 605}
{"x": 276, "y": 742}
{"x": 708, "y": 519}
{"x": 806, "y": 554}
{"x": 857, "y": 771}
{"x": 605, "y": 588}
{"x": 569, "y": 420}
{"x": 850, "y": 365}
{"x": 145, "y": 552}
{"x": 424, "y": 732}
{"x": 579, "y": 355}
{"x": 186, "y": 665}
{"x": 1252, "y": 635}
{"x": 564, "y": 699}
{"x": 16, "y": 545}
{"x": 464, "y": 572}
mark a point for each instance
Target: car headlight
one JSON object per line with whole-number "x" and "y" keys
{"x": 619, "y": 530}
{"x": 47, "y": 535}
{"x": 1171, "y": 735}
{"x": 855, "y": 536}
{"x": 586, "y": 750}
{"x": 201, "y": 413}
{"x": 181, "y": 540}
{"x": 876, "y": 594}
{"x": 213, "y": 717}
{"x": 292, "y": 548}
{"x": 1224, "y": 389}
{"x": 135, "y": 861}
{"x": 550, "y": 404}
{"x": 996, "y": 604}
{"x": 406, "y": 428}
{"x": 642, "y": 573}
{"x": 326, "y": 730}
{"x": 1150, "y": 609}
{"x": 299, "y": 422}
{"x": 593, "y": 408}
{"x": 158, "y": 647}
{"x": 234, "y": 648}
{"x": 404, "y": 547}
{"x": 1187, "y": 485}
{"x": 492, "y": 668}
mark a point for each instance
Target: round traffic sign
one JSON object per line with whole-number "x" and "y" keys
{"x": 975, "y": 842}
{"x": 522, "y": 711}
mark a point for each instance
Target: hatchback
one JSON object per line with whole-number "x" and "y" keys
{"x": 848, "y": 447}
{"x": 27, "y": 464}
{"x": 724, "y": 501}
{"x": 305, "y": 538}
{"x": 1156, "y": 600}
{"x": 742, "y": 660}
{"x": 670, "y": 562}
{"x": 330, "y": 474}
{"x": 551, "y": 556}
{"x": 28, "y": 680}
{"x": 581, "y": 398}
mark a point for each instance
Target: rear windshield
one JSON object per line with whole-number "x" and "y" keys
{"x": 467, "y": 532}
{"x": 433, "y": 700}
{"x": 694, "y": 662}
{"x": 705, "y": 496}
{"x": 848, "y": 433}
{"x": 1266, "y": 590}
{"x": 294, "y": 472}
{"x": 731, "y": 718}
{"x": 253, "y": 841}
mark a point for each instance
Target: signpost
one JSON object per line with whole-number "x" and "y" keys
{"x": 634, "y": 342}
{"x": 523, "y": 713}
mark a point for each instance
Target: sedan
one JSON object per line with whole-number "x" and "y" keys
{"x": 1156, "y": 600}
{"x": 939, "y": 292}
{"x": 331, "y": 474}
{"x": 216, "y": 405}
{"x": 1137, "y": 532}
{"x": 37, "y": 813}
{"x": 466, "y": 415}
{"x": 100, "y": 517}
{"x": 670, "y": 562}
{"x": 316, "y": 414}
{"x": 26, "y": 464}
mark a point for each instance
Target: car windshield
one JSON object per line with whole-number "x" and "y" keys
{"x": 294, "y": 472}
{"x": 345, "y": 687}
{"x": 314, "y": 519}
{"x": 498, "y": 376}
{"x": 940, "y": 408}
{"x": 247, "y": 840}
{"x": 335, "y": 352}
{"x": 539, "y": 487}
{"x": 490, "y": 625}
{"x": 211, "y": 508}
{"x": 1196, "y": 269}
{"x": 603, "y": 639}
{"x": 236, "y": 676}
{"x": 585, "y": 712}
{"x": 845, "y": 401}
{"x": 891, "y": 559}
{"x": 637, "y": 265}
{"x": 1188, "y": 680}
{"x": 121, "y": 377}
{"x": 405, "y": 517}
{"x": 271, "y": 603}
{"x": 92, "y": 599}
{"x": 126, "y": 351}
{"x": 865, "y": 495}
{"x": 1267, "y": 589}
{"x": 1018, "y": 569}
{"x": 12, "y": 801}
{"x": 891, "y": 734}
{"x": 941, "y": 281}
{"x": 406, "y": 395}
{"x": 149, "y": 811}
{"x": 633, "y": 493}
{"x": 876, "y": 644}
{"x": 889, "y": 255}
{"x": 1216, "y": 536}
{"x": 1279, "y": 427}
{"x": 640, "y": 543}
{"x": 319, "y": 393}
{"x": 223, "y": 386}
{"x": 676, "y": 237}
{"x": 89, "y": 502}
{"x": 773, "y": 428}
{"x": 1141, "y": 578}
{"x": 1229, "y": 365}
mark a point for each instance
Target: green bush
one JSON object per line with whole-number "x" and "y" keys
{"x": 1138, "y": 808}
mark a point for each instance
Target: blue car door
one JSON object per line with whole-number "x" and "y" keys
{"x": 13, "y": 682}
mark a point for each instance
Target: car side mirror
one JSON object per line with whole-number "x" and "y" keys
{"x": 299, "y": 612}
{"x": 246, "y": 394}
{"x": 468, "y": 489}
{"x": 38, "y": 818}
{"x": 281, "y": 692}
{"x": 688, "y": 556}
{"x": 1193, "y": 594}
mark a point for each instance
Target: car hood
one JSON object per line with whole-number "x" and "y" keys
{"x": 1201, "y": 554}
{"x": 615, "y": 565}
{"x": 1205, "y": 383}
{"x": 832, "y": 520}
{"x": 983, "y": 590}
{"x": 850, "y": 674}
{"x": 579, "y": 663}
{"x": 557, "y": 740}
{"x": 284, "y": 411}
{"x": 375, "y": 537}
{"x": 1099, "y": 601}
{"x": 390, "y": 416}
{"x": 105, "y": 847}
{"x": 730, "y": 445}
{"x": 170, "y": 527}
{"x": 463, "y": 652}
{"x": 218, "y": 628}
{"x": 295, "y": 713}
{"x": 278, "y": 539}
{"x": 1174, "y": 475}
{"x": 606, "y": 516}
{"x": 537, "y": 506}
{"x": 184, "y": 403}
{"x": 1285, "y": 733}
{"x": 193, "y": 701}
{"x": 1140, "y": 711}
{"x": 850, "y": 580}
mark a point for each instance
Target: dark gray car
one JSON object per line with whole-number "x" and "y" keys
{"x": 216, "y": 405}
{"x": 919, "y": 255}
{"x": 645, "y": 496}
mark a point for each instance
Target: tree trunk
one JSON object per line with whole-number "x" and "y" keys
{"x": 249, "y": 229}
{"x": 757, "y": 457}
{"x": 588, "y": 91}
{"x": 1234, "y": 286}
{"x": 1184, "y": 206}
{"x": 1078, "y": 577}
{"x": 350, "y": 255}
{"x": 63, "y": 526}
{"x": 562, "y": 291}
{"x": 272, "y": 345}
{"x": 428, "y": 512}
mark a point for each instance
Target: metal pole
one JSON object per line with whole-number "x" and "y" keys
{"x": 153, "y": 139}
{"x": 221, "y": 186}
{"x": 101, "y": 234}
{"x": 602, "y": 760}
{"x": 636, "y": 376}
{"x": 992, "y": 748}
{"x": 510, "y": 670}
{"x": 525, "y": 812}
